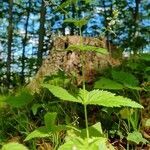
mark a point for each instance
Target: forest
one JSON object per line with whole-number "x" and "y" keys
{"x": 75, "y": 74}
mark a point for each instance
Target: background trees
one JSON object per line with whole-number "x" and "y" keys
{"x": 27, "y": 28}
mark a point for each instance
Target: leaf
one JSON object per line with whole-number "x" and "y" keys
{"x": 108, "y": 99}
{"x": 105, "y": 83}
{"x": 147, "y": 123}
{"x": 14, "y": 146}
{"x": 61, "y": 93}
{"x": 35, "y": 108}
{"x": 86, "y": 144}
{"x": 22, "y": 98}
{"x": 126, "y": 113}
{"x": 95, "y": 97}
{"x": 49, "y": 120}
{"x": 136, "y": 137}
{"x": 77, "y": 22}
{"x": 94, "y": 131}
{"x": 87, "y": 48}
{"x": 40, "y": 132}
{"x": 133, "y": 87}
{"x": 125, "y": 78}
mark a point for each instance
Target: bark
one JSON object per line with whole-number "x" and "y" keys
{"x": 10, "y": 40}
{"x": 41, "y": 34}
{"x": 24, "y": 42}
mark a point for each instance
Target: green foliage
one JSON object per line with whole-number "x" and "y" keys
{"x": 85, "y": 48}
{"x": 77, "y": 22}
{"x": 61, "y": 93}
{"x": 94, "y": 143}
{"x": 109, "y": 84}
{"x": 125, "y": 78}
{"x": 49, "y": 129}
{"x": 22, "y": 98}
{"x": 136, "y": 137}
{"x": 95, "y": 97}
{"x": 49, "y": 120}
{"x": 14, "y": 146}
{"x": 94, "y": 131}
{"x": 40, "y": 132}
{"x": 35, "y": 108}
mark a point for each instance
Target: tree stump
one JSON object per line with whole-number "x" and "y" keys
{"x": 60, "y": 59}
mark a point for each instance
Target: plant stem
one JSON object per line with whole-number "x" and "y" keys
{"x": 86, "y": 121}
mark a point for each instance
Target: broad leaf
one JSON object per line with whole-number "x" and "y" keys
{"x": 94, "y": 131}
{"x": 87, "y": 48}
{"x": 95, "y": 97}
{"x": 61, "y": 93}
{"x": 105, "y": 83}
{"x": 136, "y": 137}
{"x": 125, "y": 78}
{"x": 49, "y": 120}
{"x": 108, "y": 99}
{"x": 87, "y": 144}
{"x": 22, "y": 98}
{"x": 40, "y": 132}
{"x": 14, "y": 146}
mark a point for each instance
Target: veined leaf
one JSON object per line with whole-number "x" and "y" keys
{"x": 108, "y": 99}
{"x": 95, "y": 97}
{"x": 40, "y": 132}
{"x": 136, "y": 137}
{"x": 14, "y": 146}
{"x": 61, "y": 93}
{"x": 87, "y": 48}
{"x": 105, "y": 83}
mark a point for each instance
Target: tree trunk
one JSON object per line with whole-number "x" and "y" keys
{"x": 41, "y": 34}
{"x": 24, "y": 42}
{"x": 10, "y": 40}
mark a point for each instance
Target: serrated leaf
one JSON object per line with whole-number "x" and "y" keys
{"x": 61, "y": 93}
{"x": 108, "y": 99}
{"x": 85, "y": 48}
{"x": 22, "y": 98}
{"x": 95, "y": 97}
{"x": 136, "y": 137}
{"x": 40, "y": 132}
{"x": 125, "y": 78}
{"x": 49, "y": 120}
{"x": 105, "y": 83}
{"x": 14, "y": 146}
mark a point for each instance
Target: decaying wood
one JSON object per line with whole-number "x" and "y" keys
{"x": 60, "y": 59}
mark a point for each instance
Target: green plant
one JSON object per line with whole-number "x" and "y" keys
{"x": 14, "y": 146}
{"x": 50, "y": 130}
